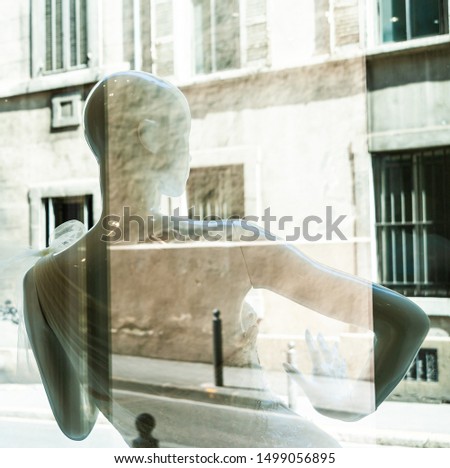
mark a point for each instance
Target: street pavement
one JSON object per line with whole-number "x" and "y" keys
{"x": 45, "y": 433}
{"x": 184, "y": 401}
{"x": 393, "y": 424}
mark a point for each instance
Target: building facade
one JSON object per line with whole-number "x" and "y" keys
{"x": 314, "y": 108}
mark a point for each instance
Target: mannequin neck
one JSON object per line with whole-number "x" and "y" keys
{"x": 134, "y": 209}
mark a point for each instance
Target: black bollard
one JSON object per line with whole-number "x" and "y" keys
{"x": 217, "y": 348}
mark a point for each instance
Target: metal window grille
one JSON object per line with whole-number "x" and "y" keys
{"x": 402, "y": 20}
{"x": 216, "y": 35}
{"x": 424, "y": 367}
{"x": 412, "y": 204}
{"x": 217, "y": 191}
{"x": 66, "y": 34}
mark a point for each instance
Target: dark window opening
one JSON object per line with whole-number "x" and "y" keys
{"x": 412, "y": 204}
{"x": 402, "y": 20}
{"x": 424, "y": 367}
{"x": 62, "y": 209}
{"x": 216, "y": 192}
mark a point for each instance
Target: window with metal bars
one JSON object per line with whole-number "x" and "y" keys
{"x": 216, "y": 192}
{"x": 424, "y": 367}
{"x": 403, "y": 20}
{"x": 412, "y": 201}
{"x": 65, "y": 34}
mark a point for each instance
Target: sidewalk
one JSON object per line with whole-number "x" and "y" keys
{"x": 394, "y": 423}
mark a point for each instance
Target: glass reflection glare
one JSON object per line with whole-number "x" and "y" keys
{"x": 123, "y": 327}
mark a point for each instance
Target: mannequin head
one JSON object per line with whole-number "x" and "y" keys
{"x": 138, "y": 127}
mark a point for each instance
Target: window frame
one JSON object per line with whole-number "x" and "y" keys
{"x": 418, "y": 224}
{"x": 85, "y": 201}
{"x": 212, "y": 43}
{"x": 39, "y": 193}
{"x": 38, "y": 40}
{"x": 379, "y": 29}
{"x": 254, "y": 53}
{"x": 425, "y": 367}
{"x": 248, "y": 156}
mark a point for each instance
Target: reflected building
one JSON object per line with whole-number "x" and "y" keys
{"x": 296, "y": 107}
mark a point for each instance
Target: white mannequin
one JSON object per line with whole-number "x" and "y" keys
{"x": 138, "y": 127}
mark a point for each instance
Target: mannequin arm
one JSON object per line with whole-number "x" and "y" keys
{"x": 399, "y": 325}
{"x": 66, "y": 395}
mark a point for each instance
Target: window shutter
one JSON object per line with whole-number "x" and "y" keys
{"x": 128, "y": 31}
{"x": 90, "y": 38}
{"x": 256, "y": 44}
{"x": 64, "y": 35}
{"x": 54, "y": 49}
{"x": 78, "y": 33}
{"x": 346, "y": 21}
{"x": 57, "y": 39}
{"x": 48, "y": 36}
{"x": 146, "y": 41}
{"x": 227, "y": 35}
{"x": 83, "y": 58}
{"x": 162, "y": 26}
{"x": 38, "y": 39}
{"x": 322, "y": 26}
{"x": 74, "y": 56}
